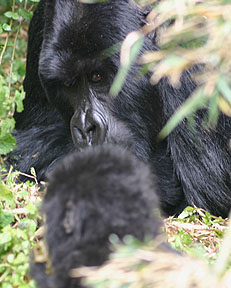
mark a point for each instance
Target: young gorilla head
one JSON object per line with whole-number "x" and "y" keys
{"x": 92, "y": 194}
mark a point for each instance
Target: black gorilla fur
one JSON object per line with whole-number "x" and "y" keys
{"x": 92, "y": 194}
{"x": 66, "y": 72}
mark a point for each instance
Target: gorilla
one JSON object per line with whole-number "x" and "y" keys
{"x": 92, "y": 194}
{"x": 68, "y": 106}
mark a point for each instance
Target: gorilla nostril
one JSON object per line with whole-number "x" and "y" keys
{"x": 91, "y": 130}
{"x": 91, "y": 134}
{"x": 79, "y": 133}
{"x": 85, "y": 134}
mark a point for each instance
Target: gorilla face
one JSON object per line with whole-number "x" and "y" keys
{"x": 67, "y": 42}
{"x": 87, "y": 100}
{"x": 73, "y": 69}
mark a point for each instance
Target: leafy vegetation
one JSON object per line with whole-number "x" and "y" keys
{"x": 189, "y": 32}
{"x": 18, "y": 224}
{"x": 18, "y": 208}
{"x": 12, "y": 67}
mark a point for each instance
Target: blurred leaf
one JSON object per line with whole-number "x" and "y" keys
{"x": 7, "y": 126}
{"x": 7, "y": 144}
{"x": 6, "y": 27}
{"x": 213, "y": 112}
{"x": 6, "y": 217}
{"x": 224, "y": 106}
{"x": 223, "y": 87}
{"x": 192, "y": 104}
{"x": 188, "y": 211}
{"x": 5, "y": 193}
{"x": 129, "y": 51}
{"x": 25, "y": 14}
{"x": 19, "y": 97}
{"x": 5, "y": 238}
{"x": 8, "y": 14}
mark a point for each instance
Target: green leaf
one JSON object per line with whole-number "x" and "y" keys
{"x": 5, "y": 193}
{"x": 126, "y": 65}
{"x": 15, "y": 16}
{"x": 193, "y": 103}
{"x": 25, "y": 14}
{"x": 6, "y": 218}
{"x": 5, "y": 237}
{"x": 33, "y": 172}
{"x": 7, "y": 144}
{"x": 6, "y": 27}
{"x": 213, "y": 112}
{"x": 188, "y": 211}
{"x": 8, "y": 14}
{"x": 10, "y": 258}
{"x": 20, "y": 258}
{"x": 7, "y": 126}
{"x": 224, "y": 89}
{"x": 19, "y": 96}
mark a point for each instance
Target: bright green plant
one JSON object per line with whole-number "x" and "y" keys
{"x": 18, "y": 223}
{"x": 13, "y": 15}
{"x": 18, "y": 213}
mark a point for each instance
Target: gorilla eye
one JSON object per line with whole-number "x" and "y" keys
{"x": 96, "y": 77}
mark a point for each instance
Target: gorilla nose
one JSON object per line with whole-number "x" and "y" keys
{"x": 88, "y": 132}
{"x": 85, "y": 134}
